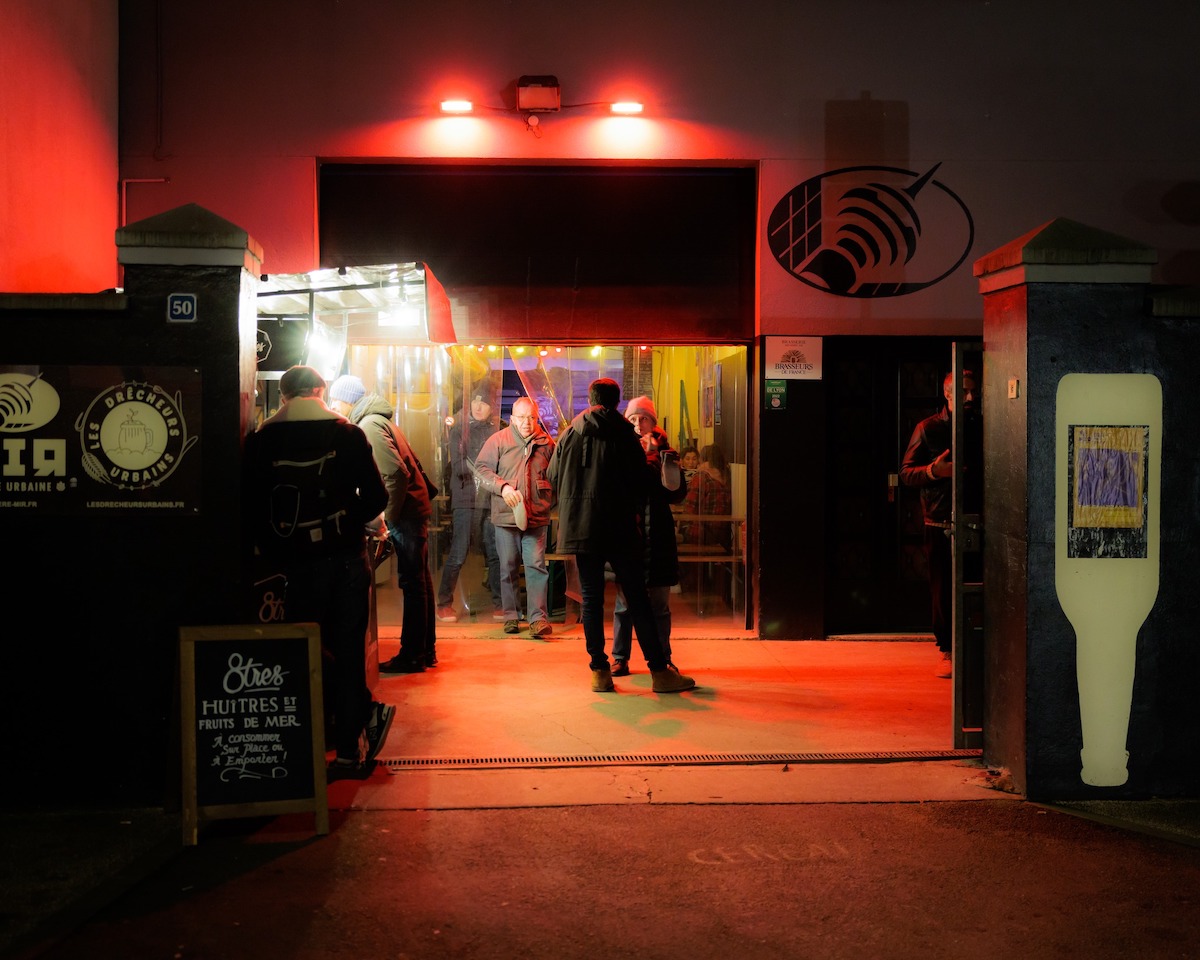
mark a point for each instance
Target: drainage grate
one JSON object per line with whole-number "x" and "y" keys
{"x": 677, "y": 759}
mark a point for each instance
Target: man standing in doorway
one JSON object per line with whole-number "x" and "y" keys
{"x": 601, "y": 482}
{"x": 928, "y": 465}
{"x": 512, "y": 467}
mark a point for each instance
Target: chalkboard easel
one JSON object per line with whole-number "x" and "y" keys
{"x": 253, "y": 723}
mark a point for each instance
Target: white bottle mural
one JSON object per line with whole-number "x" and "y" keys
{"x": 1108, "y": 430}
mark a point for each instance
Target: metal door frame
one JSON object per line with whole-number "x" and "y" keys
{"x": 967, "y": 637}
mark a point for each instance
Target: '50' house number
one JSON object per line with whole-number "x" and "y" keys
{"x": 181, "y": 308}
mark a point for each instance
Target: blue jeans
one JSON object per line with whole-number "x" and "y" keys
{"x": 527, "y": 547}
{"x": 628, "y": 570}
{"x": 335, "y": 593}
{"x": 660, "y": 606}
{"x": 470, "y": 525}
{"x": 417, "y": 633}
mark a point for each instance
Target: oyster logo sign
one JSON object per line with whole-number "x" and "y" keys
{"x": 26, "y": 402}
{"x": 133, "y": 436}
{"x": 860, "y": 231}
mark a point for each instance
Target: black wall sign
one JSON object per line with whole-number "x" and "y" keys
{"x": 253, "y": 728}
{"x": 87, "y": 440}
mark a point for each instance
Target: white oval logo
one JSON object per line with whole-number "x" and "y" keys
{"x": 860, "y": 231}
{"x": 26, "y": 402}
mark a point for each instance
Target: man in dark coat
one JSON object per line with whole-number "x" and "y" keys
{"x": 661, "y": 555}
{"x": 324, "y": 559}
{"x": 600, "y": 480}
{"x": 927, "y": 464}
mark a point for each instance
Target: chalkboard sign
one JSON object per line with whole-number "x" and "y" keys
{"x": 253, "y": 723}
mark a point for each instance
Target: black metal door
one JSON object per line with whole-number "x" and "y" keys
{"x": 878, "y": 388}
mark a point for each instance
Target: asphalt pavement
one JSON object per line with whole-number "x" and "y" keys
{"x": 802, "y": 803}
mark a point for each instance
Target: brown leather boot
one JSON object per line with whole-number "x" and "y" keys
{"x": 602, "y": 681}
{"x": 668, "y": 681}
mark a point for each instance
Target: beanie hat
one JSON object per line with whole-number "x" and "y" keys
{"x": 642, "y": 405}
{"x": 347, "y": 388}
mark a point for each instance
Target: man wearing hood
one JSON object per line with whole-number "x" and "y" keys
{"x": 302, "y": 458}
{"x": 599, "y": 476}
{"x": 512, "y": 467}
{"x": 406, "y": 517}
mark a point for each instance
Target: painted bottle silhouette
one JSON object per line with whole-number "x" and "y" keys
{"x": 1108, "y": 430}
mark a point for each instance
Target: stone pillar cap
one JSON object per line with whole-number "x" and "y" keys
{"x": 1065, "y": 251}
{"x": 188, "y": 236}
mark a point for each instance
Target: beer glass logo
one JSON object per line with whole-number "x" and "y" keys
{"x": 133, "y": 435}
{"x": 859, "y": 231}
{"x": 26, "y": 402}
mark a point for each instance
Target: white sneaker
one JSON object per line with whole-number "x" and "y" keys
{"x": 446, "y": 614}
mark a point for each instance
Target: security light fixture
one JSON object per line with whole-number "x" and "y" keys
{"x": 539, "y": 94}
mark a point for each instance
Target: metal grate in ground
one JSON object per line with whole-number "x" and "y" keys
{"x": 676, "y": 759}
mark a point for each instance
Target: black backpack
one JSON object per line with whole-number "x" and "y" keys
{"x": 304, "y": 507}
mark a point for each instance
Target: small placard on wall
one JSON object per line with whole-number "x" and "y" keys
{"x": 775, "y": 395}
{"x": 793, "y": 358}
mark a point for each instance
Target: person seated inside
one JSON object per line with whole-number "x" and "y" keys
{"x": 709, "y": 495}
{"x": 689, "y": 461}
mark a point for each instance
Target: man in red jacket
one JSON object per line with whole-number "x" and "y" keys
{"x": 512, "y": 467}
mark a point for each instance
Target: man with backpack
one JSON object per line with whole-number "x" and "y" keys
{"x": 406, "y": 516}
{"x": 311, "y": 487}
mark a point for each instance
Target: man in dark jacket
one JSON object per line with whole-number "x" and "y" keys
{"x": 471, "y": 506}
{"x": 512, "y": 468}
{"x": 927, "y": 465}
{"x": 406, "y": 517}
{"x": 661, "y": 555}
{"x": 323, "y": 556}
{"x": 600, "y": 479}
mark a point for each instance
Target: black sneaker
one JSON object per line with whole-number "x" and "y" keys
{"x": 431, "y": 660}
{"x": 512, "y": 626}
{"x": 344, "y": 768}
{"x": 378, "y": 725}
{"x": 620, "y": 668}
{"x": 400, "y": 664}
